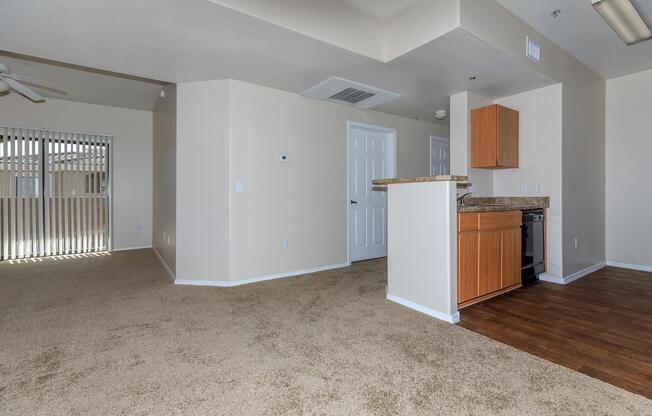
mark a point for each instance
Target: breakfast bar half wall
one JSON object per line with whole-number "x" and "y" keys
{"x": 422, "y": 240}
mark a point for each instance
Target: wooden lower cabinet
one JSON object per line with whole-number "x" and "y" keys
{"x": 488, "y": 255}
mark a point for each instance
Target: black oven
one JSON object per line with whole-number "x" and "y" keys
{"x": 532, "y": 259}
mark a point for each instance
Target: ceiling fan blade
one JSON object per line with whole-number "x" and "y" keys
{"x": 38, "y": 82}
{"x": 23, "y": 90}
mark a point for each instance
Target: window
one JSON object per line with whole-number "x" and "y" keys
{"x": 55, "y": 193}
{"x": 27, "y": 186}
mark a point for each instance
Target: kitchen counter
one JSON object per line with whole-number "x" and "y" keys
{"x": 512, "y": 203}
{"x": 461, "y": 180}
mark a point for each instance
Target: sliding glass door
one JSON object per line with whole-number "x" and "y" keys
{"x": 55, "y": 193}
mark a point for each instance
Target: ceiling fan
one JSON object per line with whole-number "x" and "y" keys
{"x": 9, "y": 81}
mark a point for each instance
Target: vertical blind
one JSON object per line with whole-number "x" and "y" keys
{"x": 55, "y": 193}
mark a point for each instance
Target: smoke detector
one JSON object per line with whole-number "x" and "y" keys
{"x": 441, "y": 114}
{"x": 344, "y": 91}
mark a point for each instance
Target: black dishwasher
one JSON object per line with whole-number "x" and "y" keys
{"x": 532, "y": 259}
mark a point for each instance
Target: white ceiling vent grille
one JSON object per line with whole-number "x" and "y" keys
{"x": 533, "y": 49}
{"x": 351, "y": 95}
{"x": 343, "y": 91}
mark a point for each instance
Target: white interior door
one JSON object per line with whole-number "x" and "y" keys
{"x": 371, "y": 156}
{"x": 439, "y": 156}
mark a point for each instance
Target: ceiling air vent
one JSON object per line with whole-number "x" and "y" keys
{"x": 342, "y": 90}
{"x": 533, "y": 49}
{"x": 351, "y": 95}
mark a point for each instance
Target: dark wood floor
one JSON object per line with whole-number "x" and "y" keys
{"x": 600, "y": 325}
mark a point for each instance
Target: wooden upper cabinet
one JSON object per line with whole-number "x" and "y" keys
{"x": 494, "y": 137}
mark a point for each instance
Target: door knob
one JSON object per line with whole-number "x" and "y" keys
{"x": 353, "y": 202}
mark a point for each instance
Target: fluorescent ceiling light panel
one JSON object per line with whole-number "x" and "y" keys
{"x": 623, "y": 19}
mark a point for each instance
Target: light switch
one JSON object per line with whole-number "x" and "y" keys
{"x": 524, "y": 187}
{"x": 539, "y": 187}
{"x": 239, "y": 187}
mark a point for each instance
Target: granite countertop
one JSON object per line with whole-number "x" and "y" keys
{"x": 503, "y": 203}
{"x": 439, "y": 178}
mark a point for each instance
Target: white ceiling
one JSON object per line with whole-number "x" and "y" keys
{"x": 581, "y": 31}
{"x": 194, "y": 40}
{"x": 380, "y": 9}
{"x": 86, "y": 86}
{"x": 439, "y": 69}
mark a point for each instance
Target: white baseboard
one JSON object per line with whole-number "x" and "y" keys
{"x": 165, "y": 265}
{"x": 131, "y": 248}
{"x": 573, "y": 277}
{"x": 452, "y": 319}
{"x": 545, "y": 277}
{"x": 232, "y": 283}
{"x": 630, "y": 266}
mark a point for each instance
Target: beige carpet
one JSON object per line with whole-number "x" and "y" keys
{"x": 110, "y": 335}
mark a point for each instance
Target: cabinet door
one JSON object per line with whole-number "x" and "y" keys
{"x": 507, "y": 138}
{"x": 467, "y": 266}
{"x": 484, "y": 137}
{"x": 511, "y": 258}
{"x": 490, "y": 261}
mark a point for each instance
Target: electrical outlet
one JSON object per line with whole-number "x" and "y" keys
{"x": 524, "y": 187}
{"x": 539, "y": 187}
{"x": 286, "y": 243}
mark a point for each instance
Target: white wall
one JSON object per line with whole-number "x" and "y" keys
{"x": 540, "y": 132}
{"x": 628, "y": 171}
{"x": 132, "y": 154}
{"x": 583, "y": 171}
{"x": 164, "y": 197}
{"x": 305, "y": 200}
{"x": 460, "y": 135}
{"x": 230, "y": 131}
{"x": 422, "y": 250}
{"x": 203, "y": 180}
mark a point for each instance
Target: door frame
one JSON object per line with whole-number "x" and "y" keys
{"x": 441, "y": 140}
{"x": 391, "y": 159}
{"x": 109, "y": 193}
